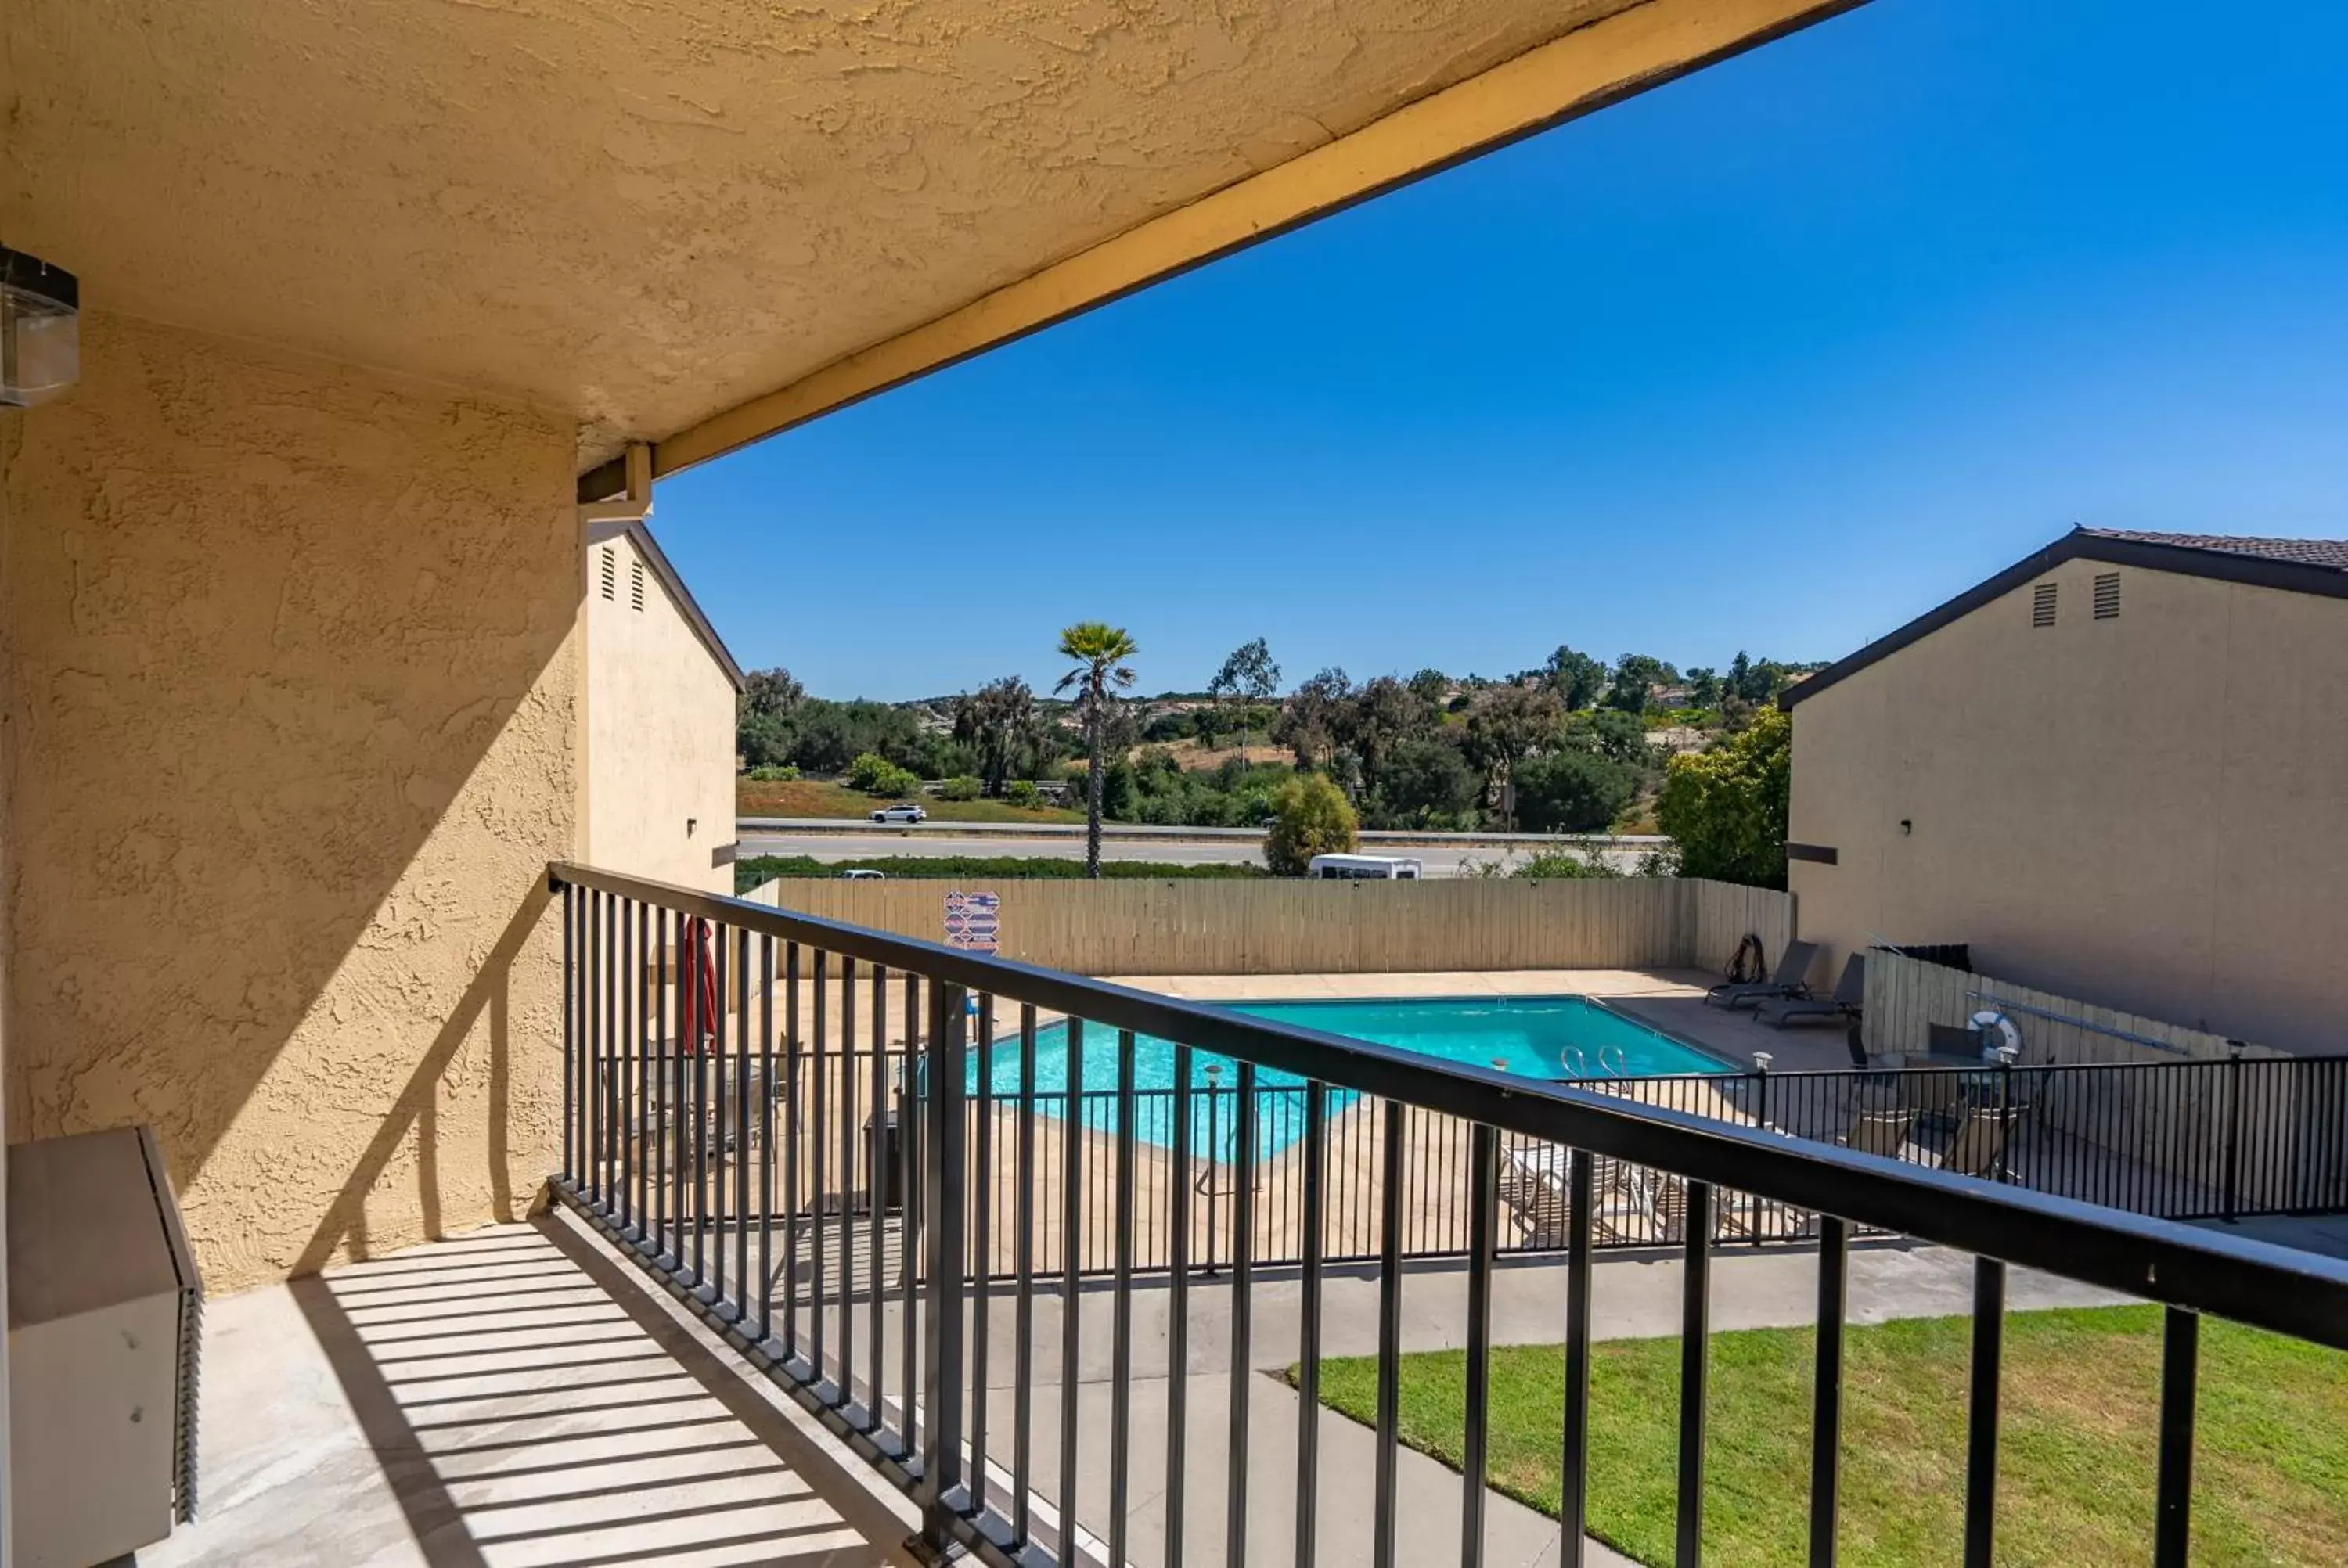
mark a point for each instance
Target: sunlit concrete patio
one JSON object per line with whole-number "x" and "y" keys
{"x": 510, "y": 1398}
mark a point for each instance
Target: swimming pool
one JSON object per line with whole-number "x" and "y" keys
{"x": 1553, "y": 1038}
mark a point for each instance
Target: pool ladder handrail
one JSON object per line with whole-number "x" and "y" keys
{"x": 1613, "y": 1063}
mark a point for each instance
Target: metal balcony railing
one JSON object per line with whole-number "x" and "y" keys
{"x": 841, "y": 1147}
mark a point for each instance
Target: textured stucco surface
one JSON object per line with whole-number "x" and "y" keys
{"x": 646, "y": 213}
{"x": 2143, "y": 812}
{"x": 660, "y": 732}
{"x": 292, "y": 690}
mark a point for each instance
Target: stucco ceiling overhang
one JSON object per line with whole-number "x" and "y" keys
{"x": 698, "y": 222}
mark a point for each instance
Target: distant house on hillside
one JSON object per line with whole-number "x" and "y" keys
{"x": 661, "y": 687}
{"x": 2117, "y": 769}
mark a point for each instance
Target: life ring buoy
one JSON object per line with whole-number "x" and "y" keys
{"x": 1988, "y": 1021}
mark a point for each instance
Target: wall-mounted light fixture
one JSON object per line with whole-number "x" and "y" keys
{"x": 40, "y": 329}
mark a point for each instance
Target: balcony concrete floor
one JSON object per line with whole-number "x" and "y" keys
{"x": 510, "y": 1398}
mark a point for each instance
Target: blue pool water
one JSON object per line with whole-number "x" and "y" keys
{"x": 1553, "y": 1038}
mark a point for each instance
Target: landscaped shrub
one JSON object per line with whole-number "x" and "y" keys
{"x": 876, "y": 774}
{"x": 773, "y": 773}
{"x": 1551, "y": 863}
{"x": 1022, "y": 793}
{"x": 963, "y": 787}
{"x": 1310, "y": 816}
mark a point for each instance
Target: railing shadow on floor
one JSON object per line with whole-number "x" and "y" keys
{"x": 531, "y": 1407}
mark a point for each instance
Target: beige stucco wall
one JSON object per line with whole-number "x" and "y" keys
{"x": 2145, "y": 813}
{"x": 292, "y": 686}
{"x": 660, "y": 732}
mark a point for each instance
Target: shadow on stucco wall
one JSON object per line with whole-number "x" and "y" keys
{"x": 343, "y": 1233}
{"x": 293, "y": 682}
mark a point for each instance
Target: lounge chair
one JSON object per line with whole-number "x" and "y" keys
{"x": 1631, "y": 1205}
{"x": 1849, "y": 996}
{"x": 1981, "y": 1139}
{"x": 1792, "y": 965}
{"x": 1533, "y": 1188}
{"x": 1883, "y": 1132}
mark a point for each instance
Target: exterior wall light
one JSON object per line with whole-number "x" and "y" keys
{"x": 40, "y": 329}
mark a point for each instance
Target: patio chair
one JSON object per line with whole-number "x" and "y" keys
{"x": 1792, "y": 965}
{"x": 1955, "y": 1039}
{"x": 1533, "y": 1189}
{"x": 1981, "y": 1139}
{"x": 1849, "y": 996}
{"x": 1883, "y": 1132}
{"x": 1627, "y": 1203}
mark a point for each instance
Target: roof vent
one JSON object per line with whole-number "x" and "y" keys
{"x": 2107, "y": 596}
{"x": 2042, "y": 604}
{"x": 637, "y": 585}
{"x": 609, "y": 569}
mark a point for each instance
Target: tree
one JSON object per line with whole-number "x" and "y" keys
{"x": 1725, "y": 808}
{"x": 1431, "y": 687}
{"x": 1636, "y": 675}
{"x": 772, "y": 692}
{"x": 1248, "y": 672}
{"x": 1312, "y": 723}
{"x": 1380, "y": 717}
{"x": 997, "y": 722}
{"x": 1573, "y": 792}
{"x": 1427, "y": 784}
{"x": 1612, "y": 733}
{"x": 1704, "y": 688}
{"x": 763, "y": 730}
{"x": 1310, "y": 816}
{"x": 1575, "y": 678}
{"x": 1100, "y": 652}
{"x": 1507, "y": 723}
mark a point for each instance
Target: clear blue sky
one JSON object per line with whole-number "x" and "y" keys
{"x": 1774, "y": 357}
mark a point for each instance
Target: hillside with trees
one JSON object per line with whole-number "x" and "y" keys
{"x": 1575, "y": 744}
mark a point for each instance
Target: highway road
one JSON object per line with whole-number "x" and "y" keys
{"x": 835, "y": 848}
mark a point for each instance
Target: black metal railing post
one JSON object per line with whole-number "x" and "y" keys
{"x": 571, "y": 980}
{"x": 1826, "y": 1410}
{"x": 1982, "y": 1413}
{"x": 2000, "y": 1167}
{"x": 1415, "y": 1128}
{"x": 2233, "y": 1132}
{"x": 2173, "y": 1497}
{"x": 942, "y": 1214}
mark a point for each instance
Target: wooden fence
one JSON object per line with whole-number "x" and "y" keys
{"x": 1904, "y": 995}
{"x": 1285, "y": 926}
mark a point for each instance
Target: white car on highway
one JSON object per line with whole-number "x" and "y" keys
{"x": 904, "y": 811}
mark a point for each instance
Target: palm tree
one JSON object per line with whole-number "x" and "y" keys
{"x": 1100, "y": 652}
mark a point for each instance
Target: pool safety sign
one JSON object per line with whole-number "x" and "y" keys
{"x": 975, "y": 921}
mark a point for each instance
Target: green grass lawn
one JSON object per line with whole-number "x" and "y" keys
{"x": 821, "y": 797}
{"x": 2076, "y": 1461}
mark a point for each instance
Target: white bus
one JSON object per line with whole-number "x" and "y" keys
{"x": 1364, "y": 869}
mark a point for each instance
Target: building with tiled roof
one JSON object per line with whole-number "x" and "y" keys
{"x": 2117, "y": 769}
